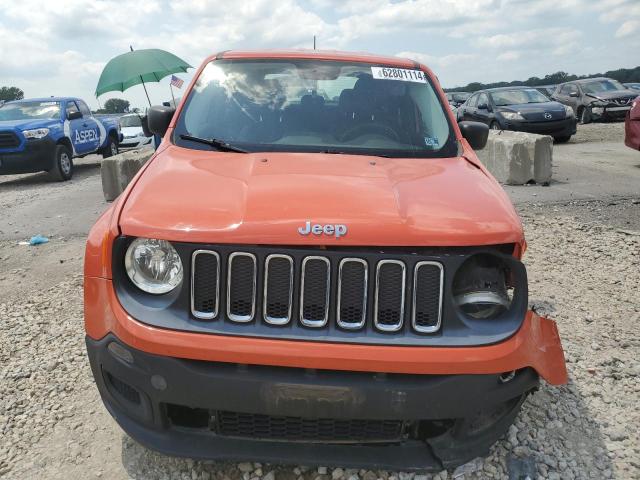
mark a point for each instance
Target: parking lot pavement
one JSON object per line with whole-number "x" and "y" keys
{"x": 584, "y": 270}
{"x": 594, "y": 166}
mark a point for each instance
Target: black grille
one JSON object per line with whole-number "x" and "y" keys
{"x": 124, "y": 389}
{"x": 390, "y": 287}
{"x": 427, "y": 282}
{"x": 320, "y": 292}
{"x": 269, "y": 427}
{"x": 278, "y": 289}
{"x": 241, "y": 291}
{"x": 206, "y": 268}
{"x": 315, "y": 291}
{"x": 9, "y": 140}
{"x": 352, "y": 293}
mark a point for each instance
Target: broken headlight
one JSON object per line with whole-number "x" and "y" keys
{"x": 153, "y": 266}
{"x": 481, "y": 289}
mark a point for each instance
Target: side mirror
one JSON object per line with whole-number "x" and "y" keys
{"x": 74, "y": 115}
{"x": 476, "y": 134}
{"x": 574, "y": 94}
{"x": 159, "y": 118}
{"x": 483, "y": 106}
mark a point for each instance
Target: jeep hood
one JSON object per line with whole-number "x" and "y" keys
{"x": 263, "y": 198}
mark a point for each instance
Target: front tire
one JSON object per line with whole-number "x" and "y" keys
{"x": 495, "y": 126}
{"x": 62, "y": 169}
{"x": 563, "y": 139}
{"x": 585, "y": 116}
{"x": 111, "y": 148}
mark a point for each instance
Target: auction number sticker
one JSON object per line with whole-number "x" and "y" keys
{"x": 388, "y": 73}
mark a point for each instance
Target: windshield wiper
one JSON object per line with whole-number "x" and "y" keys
{"x": 340, "y": 152}
{"x": 215, "y": 143}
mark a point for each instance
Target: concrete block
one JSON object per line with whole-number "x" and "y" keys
{"x": 516, "y": 158}
{"x": 117, "y": 171}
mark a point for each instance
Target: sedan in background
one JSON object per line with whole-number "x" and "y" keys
{"x": 632, "y": 85}
{"x": 456, "y": 99}
{"x": 596, "y": 98}
{"x": 133, "y": 135}
{"x": 522, "y": 109}
{"x": 632, "y": 126}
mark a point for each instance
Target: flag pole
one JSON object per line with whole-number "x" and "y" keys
{"x": 174, "y": 98}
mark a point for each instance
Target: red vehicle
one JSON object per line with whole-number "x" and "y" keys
{"x": 632, "y": 126}
{"x": 315, "y": 268}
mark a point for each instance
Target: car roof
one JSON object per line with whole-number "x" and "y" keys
{"x": 319, "y": 55}
{"x": 47, "y": 99}
{"x": 501, "y": 89}
{"x": 585, "y": 80}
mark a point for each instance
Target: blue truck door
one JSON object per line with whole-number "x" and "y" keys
{"x": 93, "y": 124}
{"x": 82, "y": 130}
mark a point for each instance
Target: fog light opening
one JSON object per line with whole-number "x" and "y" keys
{"x": 120, "y": 353}
{"x": 506, "y": 377}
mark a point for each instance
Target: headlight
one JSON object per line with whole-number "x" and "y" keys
{"x": 153, "y": 266}
{"x": 480, "y": 287}
{"x": 36, "y": 133}
{"x": 598, "y": 103}
{"x": 512, "y": 115}
{"x": 569, "y": 111}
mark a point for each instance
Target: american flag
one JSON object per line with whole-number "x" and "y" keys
{"x": 176, "y": 82}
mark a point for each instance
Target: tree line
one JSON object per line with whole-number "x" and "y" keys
{"x": 624, "y": 75}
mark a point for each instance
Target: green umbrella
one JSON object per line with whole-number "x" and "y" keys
{"x": 138, "y": 66}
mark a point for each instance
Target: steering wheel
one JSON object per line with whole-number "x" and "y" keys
{"x": 373, "y": 127}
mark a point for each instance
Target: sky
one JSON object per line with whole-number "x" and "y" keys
{"x": 60, "y": 47}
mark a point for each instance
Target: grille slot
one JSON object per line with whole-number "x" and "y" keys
{"x": 9, "y": 140}
{"x": 278, "y": 289}
{"x": 241, "y": 287}
{"x": 389, "y": 295}
{"x": 205, "y": 284}
{"x": 428, "y": 280}
{"x": 352, "y": 293}
{"x": 314, "y": 291}
{"x": 234, "y": 424}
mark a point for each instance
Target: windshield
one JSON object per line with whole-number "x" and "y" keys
{"x": 602, "y": 86}
{"x": 316, "y": 106}
{"x": 517, "y": 97}
{"x": 29, "y": 110}
{"x": 130, "y": 121}
{"x": 460, "y": 97}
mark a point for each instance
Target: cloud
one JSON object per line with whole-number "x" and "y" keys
{"x": 628, "y": 28}
{"x": 534, "y": 39}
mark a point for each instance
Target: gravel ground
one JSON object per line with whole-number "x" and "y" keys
{"x": 585, "y": 275}
{"x": 599, "y": 132}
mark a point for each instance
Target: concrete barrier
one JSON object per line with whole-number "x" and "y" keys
{"x": 517, "y": 158}
{"x": 117, "y": 171}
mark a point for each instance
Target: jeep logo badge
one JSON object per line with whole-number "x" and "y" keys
{"x": 338, "y": 230}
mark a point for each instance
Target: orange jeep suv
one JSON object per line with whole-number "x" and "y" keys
{"x": 314, "y": 267}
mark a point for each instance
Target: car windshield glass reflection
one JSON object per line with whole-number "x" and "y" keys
{"x": 29, "y": 111}
{"x": 602, "y": 86}
{"x": 518, "y": 97}
{"x": 316, "y": 106}
{"x": 130, "y": 121}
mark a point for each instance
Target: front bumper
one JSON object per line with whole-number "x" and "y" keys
{"x": 37, "y": 155}
{"x": 135, "y": 142}
{"x": 556, "y": 128}
{"x": 172, "y": 405}
{"x": 613, "y": 112}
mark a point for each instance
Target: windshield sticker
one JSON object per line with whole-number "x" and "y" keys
{"x": 431, "y": 141}
{"x": 404, "y": 75}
